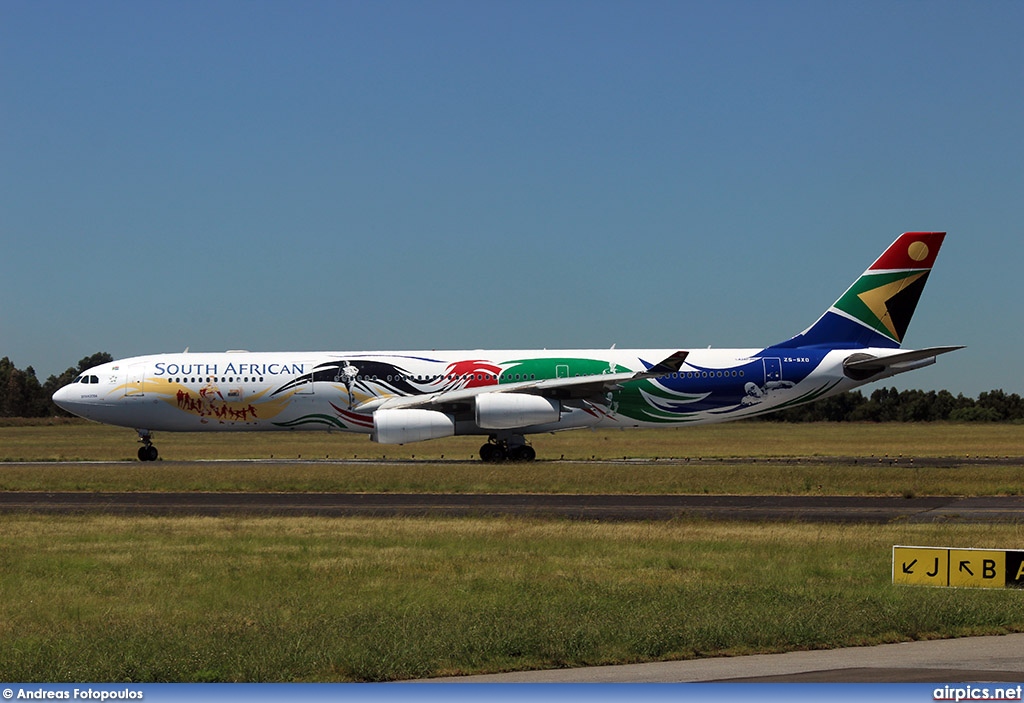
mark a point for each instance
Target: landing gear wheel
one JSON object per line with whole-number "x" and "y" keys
{"x": 492, "y": 453}
{"x": 513, "y": 448}
{"x": 147, "y": 452}
{"x": 523, "y": 452}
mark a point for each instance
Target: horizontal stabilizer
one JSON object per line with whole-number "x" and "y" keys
{"x": 863, "y": 366}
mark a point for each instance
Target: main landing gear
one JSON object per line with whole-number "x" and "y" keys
{"x": 511, "y": 448}
{"x": 147, "y": 452}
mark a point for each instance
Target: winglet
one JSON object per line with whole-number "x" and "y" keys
{"x": 670, "y": 364}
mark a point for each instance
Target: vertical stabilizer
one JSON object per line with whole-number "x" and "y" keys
{"x": 876, "y": 310}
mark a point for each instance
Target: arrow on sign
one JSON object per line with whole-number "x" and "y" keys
{"x": 908, "y": 568}
{"x": 964, "y": 567}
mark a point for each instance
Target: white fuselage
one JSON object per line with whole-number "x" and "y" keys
{"x": 342, "y": 390}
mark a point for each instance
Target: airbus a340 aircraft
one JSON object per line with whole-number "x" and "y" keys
{"x": 399, "y": 397}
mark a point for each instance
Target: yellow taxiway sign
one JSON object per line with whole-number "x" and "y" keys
{"x": 962, "y": 568}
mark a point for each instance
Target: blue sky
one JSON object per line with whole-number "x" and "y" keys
{"x": 416, "y": 175}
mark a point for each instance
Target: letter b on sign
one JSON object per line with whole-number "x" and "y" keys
{"x": 977, "y": 568}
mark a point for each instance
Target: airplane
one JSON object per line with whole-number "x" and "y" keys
{"x": 399, "y": 397}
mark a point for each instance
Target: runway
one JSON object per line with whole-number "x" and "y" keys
{"x": 825, "y": 509}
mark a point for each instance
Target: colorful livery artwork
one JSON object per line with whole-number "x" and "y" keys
{"x": 400, "y": 397}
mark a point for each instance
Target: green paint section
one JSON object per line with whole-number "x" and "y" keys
{"x": 632, "y": 401}
{"x": 852, "y": 302}
{"x": 629, "y": 401}
{"x": 556, "y": 367}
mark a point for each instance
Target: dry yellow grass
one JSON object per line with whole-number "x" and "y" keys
{"x": 89, "y": 441}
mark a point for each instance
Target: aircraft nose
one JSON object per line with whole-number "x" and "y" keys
{"x": 77, "y": 400}
{"x": 62, "y": 398}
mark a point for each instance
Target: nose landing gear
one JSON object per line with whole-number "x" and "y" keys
{"x": 147, "y": 452}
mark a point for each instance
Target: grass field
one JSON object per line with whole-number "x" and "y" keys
{"x": 300, "y": 599}
{"x": 80, "y": 440}
{"x": 731, "y": 477}
{"x": 739, "y": 458}
{"x": 102, "y": 598}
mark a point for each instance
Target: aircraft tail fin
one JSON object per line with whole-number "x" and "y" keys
{"x": 876, "y": 310}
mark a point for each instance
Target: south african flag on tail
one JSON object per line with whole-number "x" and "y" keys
{"x": 876, "y": 310}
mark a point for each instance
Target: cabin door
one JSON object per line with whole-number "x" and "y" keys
{"x": 772, "y": 370}
{"x": 135, "y": 380}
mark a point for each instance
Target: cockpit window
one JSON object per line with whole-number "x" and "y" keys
{"x": 78, "y": 379}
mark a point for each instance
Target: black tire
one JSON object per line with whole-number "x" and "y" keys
{"x": 492, "y": 453}
{"x": 523, "y": 452}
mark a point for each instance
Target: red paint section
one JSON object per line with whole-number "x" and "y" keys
{"x": 901, "y": 254}
{"x": 356, "y": 419}
{"x": 475, "y": 373}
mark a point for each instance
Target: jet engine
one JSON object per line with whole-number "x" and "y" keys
{"x": 401, "y": 426}
{"x": 506, "y": 411}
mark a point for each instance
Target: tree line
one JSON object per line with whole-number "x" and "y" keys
{"x": 891, "y": 405}
{"x": 22, "y": 395}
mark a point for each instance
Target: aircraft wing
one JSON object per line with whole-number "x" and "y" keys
{"x": 863, "y": 366}
{"x": 561, "y": 388}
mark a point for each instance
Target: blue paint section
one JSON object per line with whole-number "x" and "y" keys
{"x": 835, "y": 331}
{"x": 763, "y": 381}
{"x": 710, "y": 389}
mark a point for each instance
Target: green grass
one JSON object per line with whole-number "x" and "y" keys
{"x": 79, "y": 440}
{"x": 102, "y": 598}
{"x": 731, "y": 477}
{"x": 740, "y": 458}
{"x": 304, "y": 599}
